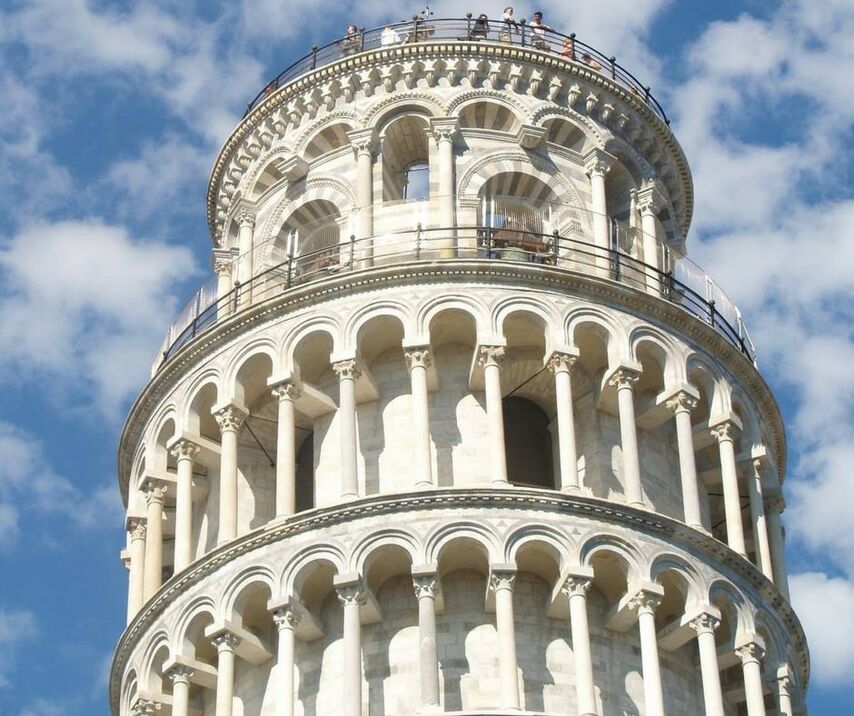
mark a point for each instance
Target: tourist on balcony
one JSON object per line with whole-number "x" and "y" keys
{"x": 350, "y": 44}
{"x": 481, "y": 27}
{"x": 509, "y": 27}
{"x": 568, "y": 49}
{"x": 589, "y": 60}
{"x": 389, "y": 37}
{"x": 538, "y": 29}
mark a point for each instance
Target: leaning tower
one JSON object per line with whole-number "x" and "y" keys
{"x": 456, "y": 426}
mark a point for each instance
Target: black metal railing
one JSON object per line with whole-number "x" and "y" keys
{"x": 467, "y": 29}
{"x": 476, "y": 243}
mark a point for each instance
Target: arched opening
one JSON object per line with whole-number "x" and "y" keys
{"x": 565, "y": 134}
{"x": 527, "y": 443}
{"x": 305, "y": 469}
{"x": 405, "y": 159}
{"x": 329, "y": 139}
{"x": 311, "y": 235}
{"x": 492, "y": 116}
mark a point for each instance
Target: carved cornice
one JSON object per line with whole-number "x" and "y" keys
{"x": 535, "y": 277}
{"x": 724, "y": 560}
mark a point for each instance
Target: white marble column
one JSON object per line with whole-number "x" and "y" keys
{"x": 646, "y": 603}
{"x": 348, "y": 371}
{"x": 426, "y": 586}
{"x": 725, "y": 434}
{"x": 490, "y": 357}
{"x": 285, "y": 619}
{"x": 751, "y": 655}
{"x": 649, "y": 204}
{"x": 363, "y": 142}
{"x": 597, "y": 164}
{"x": 136, "y": 568}
{"x": 575, "y": 588}
{"x": 774, "y": 505}
{"x": 757, "y": 517}
{"x": 229, "y": 419}
{"x": 561, "y": 364}
{"x": 784, "y": 693}
{"x": 501, "y": 583}
{"x": 682, "y": 404}
{"x": 624, "y": 380}
{"x": 222, "y": 263}
{"x": 180, "y": 676}
{"x": 225, "y": 644}
{"x": 246, "y": 248}
{"x": 145, "y": 707}
{"x": 285, "y": 394}
{"x": 705, "y": 624}
{"x": 184, "y": 452}
{"x": 352, "y": 597}
{"x": 155, "y": 496}
{"x": 444, "y": 131}
{"x": 418, "y": 360}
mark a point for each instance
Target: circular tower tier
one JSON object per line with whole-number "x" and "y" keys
{"x": 457, "y": 427}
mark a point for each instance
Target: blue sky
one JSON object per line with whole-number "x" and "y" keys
{"x": 112, "y": 113}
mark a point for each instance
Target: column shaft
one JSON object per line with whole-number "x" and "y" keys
{"x": 576, "y": 589}
{"x": 624, "y": 381}
{"x": 136, "y": 589}
{"x": 752, "y": 671}
{"x": 180, "y": 695}
{"x": 225, "y": 679}
{"x": 777, "y": 547}
{"x": 246, "y": 258}
{"x": 418, "y": 361}
{"x": 285, "y": 620}
{"x": 506, "y": 626}
{"x": 757, "y": 517}
{"x": 729, "y": 478}
{"x": 561, "y": 366}
{"x": 649, "y": 227}
{"x": 228, "y": 484}
{"x": 347, "y": 372}
{"x": 653, "y": 694}
{"x": 184, "y": 452}
{"x": 682, "y": 404}
{"x": 352, "y": 681}
{"x": 490, "y": 358}
{"x": 286, "y": 393}
{"x": 599, "y": 206}
{"x": 153, "y": 542}
{"x": 428, "y": 656}
{"x": 704, "y": 625}
{"x": 784, "y": 697}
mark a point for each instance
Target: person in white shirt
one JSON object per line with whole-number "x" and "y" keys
{"x": 389, "y": 36}
{"x": 538, "y": 29}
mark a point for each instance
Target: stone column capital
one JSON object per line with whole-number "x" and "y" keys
{"x": 154, "y": 490}
{"x": 286, "y": 390}
{"x": 598, "y": 162}
{"x": 751, "y": 652}
{"x": 180, "y": 673}
{"x": 225, "y": 641}
{"x": 645, "y": 601}
{"x": 136, "y": 527}
{"x": 229, "y": 417}
{"x": 245, "y": 218}
{"x": 418, "y": 356}
{"x": 705, "y": 623}
{"x": 347, "y": 369}
{"x": 576, "y": 585}
{"x": 363, "y": 141}
{"x": 490, "y": 355}
{"x": 286, "y": 617}
{"x": 561, "y": 362}
{"x": 774, "y": 502}
{"x": 425, "y": 585}
{"x": 145, "y": 707}
{"x": 444, "y": 129}
{"x": 651, "y": 200}
{"x": 184, "y": 449}
{"x": 725, "y": 431}
{"x": 624, "y": 378}
{"x": 682, "y": 402}
{"x": 502, "y": 576}
{"x": 351, "y": 593}
{"x": 222, "y": 261}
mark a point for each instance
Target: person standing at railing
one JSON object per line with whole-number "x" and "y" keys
{"x": 481, "y": 27}
{"x": 389, "y": 37}
{"x": 510, "y": 25}
{"x": 538, "y": 30}
{"x": 350, "y": 44}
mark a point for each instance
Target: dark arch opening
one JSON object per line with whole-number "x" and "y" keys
{"x": 527, "y": 443}
{"x": 305, "y": 474}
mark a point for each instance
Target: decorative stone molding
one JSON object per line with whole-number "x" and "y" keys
{"x": 286, "y": 617}
{"x": 184, "y": 449}
{"x": 286, "y": 390}
{"x": 490, "y": 355}
{"x": 230, "y": 417}
{"x": 561, "y": 362}
{"x": 136, "y": 527}
{"x": 725, "y": 431}
{"x": 624, "y": 378}
{"x": 575, "y": 585}
{"x": 347, "y": 369}
{"x": 750, "y": 652}
{"x": 425, "y": 585}
{"x": 418, "y": 357}
{"x": 179, "y": 673}
{"x": 225, "y": 641}
{"x": 597, "y": 161}
{"x": 682, "y": 402}
{"x": 705, "y": 622}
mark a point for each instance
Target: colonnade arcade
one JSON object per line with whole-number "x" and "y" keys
{"x": 631, "y": 415}
{"x": 446, "y": 605}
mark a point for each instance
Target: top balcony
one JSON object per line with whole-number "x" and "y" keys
{"x": 468, "y": 29}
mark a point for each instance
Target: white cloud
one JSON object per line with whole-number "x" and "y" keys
{"x": 826, "y": 608}
{"x": 16, "y": 628}
{"x": 85, "y": 294}
{"x": 30, "y": 485}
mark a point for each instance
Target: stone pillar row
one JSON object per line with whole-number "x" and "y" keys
{"x": 146, "y": 534}
{"x": 353, "y": 596}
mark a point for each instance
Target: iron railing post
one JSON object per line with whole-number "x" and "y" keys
{"x": 362, "y": 39}
{"x": 352, "y": 251}
{"x": 712, "y": 312}
{"x": 418, "y": 241}
{"x": 468, "y": 26}
{"x": 236, "y": 293}
{"x": 572, "y": 38}
{"x": 522, "y": 34}
{"x": 613, "y": 61}
{"x": 314, "y": 57}
{"x": 289, "y": 275}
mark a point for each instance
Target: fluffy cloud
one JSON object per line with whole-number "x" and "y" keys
{"x": 83, "y": 294}
{"x": 826, "y": 608}
{"x": 16, "y": 628}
